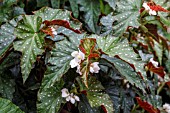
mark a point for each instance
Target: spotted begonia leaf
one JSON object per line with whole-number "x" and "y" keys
{"x": 127, "y": 15}
{"x": 49, "y": 14}
{"x": 7, "y": 106}
{"x": 7, "y": 35}
{"x": 7, "y": 83}
{"x": 30, "y": 41}
{"x": 59, "y": 62}
{"x": 50, "y": 98}
{"x": 96, "y": 95}
{"x": 84, "y": 106}
{"x": 114, "y": 46}
{"x": 127, "y": 71}
{"x": 91, "y": 11}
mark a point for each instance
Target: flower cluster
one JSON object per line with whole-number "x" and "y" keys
{"x": 147, "y": 8}
{"x": 69, "y": 97}
{"x": 80, "y": 56}
{"x": 166, "y": 107}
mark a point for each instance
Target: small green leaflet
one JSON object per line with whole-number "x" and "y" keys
{"x": 30, "y": 41}
{"x": 114, "y": 46}
{"x": 7, "y": 35}
{"x": 7, "y": 106}
{"x": 127, "y": 15}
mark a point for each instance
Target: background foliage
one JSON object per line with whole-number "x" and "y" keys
{"x": 119, "y": 34}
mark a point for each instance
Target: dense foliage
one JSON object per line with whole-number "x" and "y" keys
{"x": 84, "y": 56}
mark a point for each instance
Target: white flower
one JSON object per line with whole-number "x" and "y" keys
{"x": 78, "y": 56}
{"x": 69, "y": 97}
{"x": 145, "y": 5}
{"x": 94, "y": 68}
{"x": 65, "y": 92}
{"x": 152, "y": 12}
{"x": 53, "y": 31}
{"x": 154, "y": 62}
{"x": 166, "y": 107}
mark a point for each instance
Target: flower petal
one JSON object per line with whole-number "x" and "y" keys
{"x": 74, "y": 63}
{"x": 154, "y": 62}
{"x": 65, "y": 92}
{"x": 76, "y": 98}
{"x": 74, "y": 53}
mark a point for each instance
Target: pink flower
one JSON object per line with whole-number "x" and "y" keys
{"x": 94, "y": 68}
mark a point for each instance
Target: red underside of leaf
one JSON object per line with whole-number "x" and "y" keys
{"x": 157, "y": 7}
{"x": 104, "y": 109}
{"x": 84, "y": 92}
{"x": 145, "y": 105}
{"x": 168, "y": 83}
{"x": 63, "y": 23}
{"x": 157, "y": 70}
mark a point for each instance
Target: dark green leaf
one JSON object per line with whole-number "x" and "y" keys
{"x": 30, "y": 41}
{"x": 7, "y": 106}
{"x": 7, "y": 83}
{"x": 112, "y": 3}
{"x": 42, "y": 3}
{"x": 92, "y": 12}
{"x": 74, "y": 8}
{"x": 55, "y": 4}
